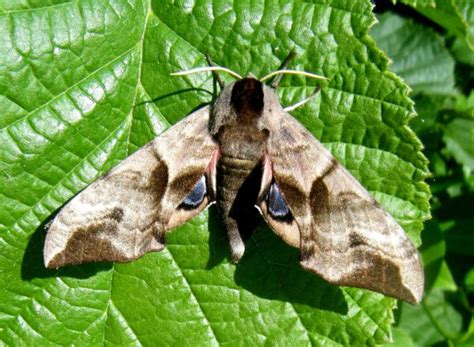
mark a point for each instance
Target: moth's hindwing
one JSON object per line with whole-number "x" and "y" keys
{"x": 126, "y": 213}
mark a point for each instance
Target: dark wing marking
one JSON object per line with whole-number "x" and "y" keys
{"x": 343, "y": 234}
{"x": 126, "y": 213}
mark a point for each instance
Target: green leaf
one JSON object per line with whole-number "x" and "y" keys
{"x": 460, "y": 237}
{"x": 435, "y": 320}
{"x": 418, "y": 54}
{"x": 401, "y": 338}
{"x": 456, "y": 16}
{"x": 459, "y": 139}
{"x": 465, "y": 104}
{"x": 468, "y": 338}
{"x": 433, "y": 251}
{"x": 469, "y": 281}
{"x": 83, "y": 84}
{"x": 414, "y": 3}
{"x": 462, "y": 52}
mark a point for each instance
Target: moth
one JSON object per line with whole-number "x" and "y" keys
{"x": 248, "y": 155}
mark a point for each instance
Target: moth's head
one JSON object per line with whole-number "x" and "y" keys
{"x": 247, "y": 97}
{"x": 245, "y": 100}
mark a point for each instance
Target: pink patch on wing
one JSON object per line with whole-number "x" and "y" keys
{"x": 267, "y": 175}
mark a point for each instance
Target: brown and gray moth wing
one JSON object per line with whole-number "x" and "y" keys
{"x": 343, "y": 234}
{"x": 126, "y": 213}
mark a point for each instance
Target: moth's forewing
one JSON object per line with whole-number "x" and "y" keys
{"x": 126, "y": 213}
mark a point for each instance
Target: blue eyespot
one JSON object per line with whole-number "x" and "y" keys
{"x": 276, "y": 204}
{"x": 195, "y": 198}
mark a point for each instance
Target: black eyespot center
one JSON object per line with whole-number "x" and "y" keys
{"x": 196, "y": 196}
{"x": 276, "y": 204}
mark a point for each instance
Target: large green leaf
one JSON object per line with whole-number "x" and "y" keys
{"x": 418, "y": 54}
{"x": 85, "y": 83}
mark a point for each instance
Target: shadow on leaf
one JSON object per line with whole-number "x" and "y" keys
{"x": 270, "y": 269}
{"x": 218, "y": 242}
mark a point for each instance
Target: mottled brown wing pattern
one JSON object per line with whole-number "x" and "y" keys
{"x": 345, "y": 236}
{"x": 126, "y": 213}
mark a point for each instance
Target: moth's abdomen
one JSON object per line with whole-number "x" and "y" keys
{"x": 233, "y": 170}
{"x": 238, "y": 181}
{"x": 232, "y": 173}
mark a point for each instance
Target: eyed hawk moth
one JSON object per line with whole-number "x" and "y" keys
{"x": 245, "y": 153}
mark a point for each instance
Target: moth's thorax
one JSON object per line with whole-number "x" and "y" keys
{"x": 239, "y": 134}
{"x": 242, "y": 140}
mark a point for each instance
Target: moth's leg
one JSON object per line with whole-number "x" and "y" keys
{"x": 304, "y": 101}
{"x": 214, "y": 73}
{"x": 284, "y": 66}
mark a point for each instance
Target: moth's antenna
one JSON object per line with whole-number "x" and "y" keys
{"x": 296, "y": 72}
{"x": 216, "y": 75}
{"x": 302, "y": 102}
{"x": 292, "y": 72}
{"x": 284, "y": 66}
{"x": 205, "y": 69}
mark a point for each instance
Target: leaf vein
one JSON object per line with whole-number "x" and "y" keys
{"x": 71, "y": 87}
{"x": 185, "y": 279}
